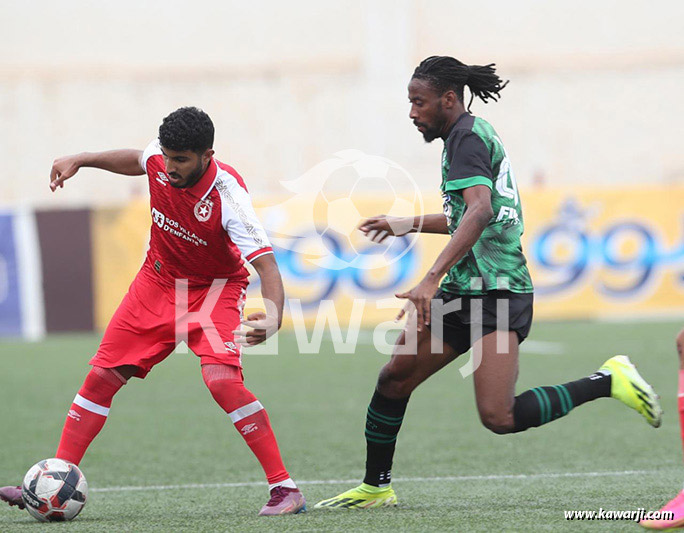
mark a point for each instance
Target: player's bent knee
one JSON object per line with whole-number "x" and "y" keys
{"x": 499, "y": 422}
{"x": 226, "y": 385}
{"x": 395, "y": 382}
{"x": 118, "y": 376}
{"x": 125, "y": 372}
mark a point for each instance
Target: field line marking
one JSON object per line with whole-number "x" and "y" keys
{"x": 440, "y": 479}
{"x": 542, "y": 347}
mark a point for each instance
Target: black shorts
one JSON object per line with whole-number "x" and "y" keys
{"x": 456, "y": 326}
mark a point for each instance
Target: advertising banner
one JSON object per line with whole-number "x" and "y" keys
{"x": 613, "y": 253}
{"x": 66, "y": 261}
{"x": 606, "y": 253}
{"x": 120, "y": 240}
{"x": 10, "y": 302}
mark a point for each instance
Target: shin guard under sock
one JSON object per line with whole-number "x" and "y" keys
{"x": 249, "y": 417}
{"x": 88, "y": 412}
{"x": 383, "y": 421}
{"x": 542, "y": 405}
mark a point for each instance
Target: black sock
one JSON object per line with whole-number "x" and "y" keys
{"x": 542, "y": 405}
{"x": 383, "y": 422}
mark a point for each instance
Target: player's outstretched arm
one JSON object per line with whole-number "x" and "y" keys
{"x": 378, "y": 228}
{"x": 475, "y": 220}
{"x": 436, "y": 223}
{"x": 125, "y": 162}
{"x": 265, "y": 324}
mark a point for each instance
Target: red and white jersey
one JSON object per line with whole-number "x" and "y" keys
{"x": 203, "y": 232}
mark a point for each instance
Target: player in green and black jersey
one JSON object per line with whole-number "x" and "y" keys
{"x": 477, "y": 294}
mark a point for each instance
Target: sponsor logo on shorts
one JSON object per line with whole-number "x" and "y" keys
{"x": 231, "y": 347}
{"x": 74, "y": 414}
{"x": 249, "y": 428}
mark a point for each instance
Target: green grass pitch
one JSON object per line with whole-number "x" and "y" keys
{"x": 451, "y": 474}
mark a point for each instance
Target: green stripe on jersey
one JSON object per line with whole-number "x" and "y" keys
{"x": 468, "y": 182}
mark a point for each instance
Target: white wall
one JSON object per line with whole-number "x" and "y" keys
{"x": 593, "y": 98}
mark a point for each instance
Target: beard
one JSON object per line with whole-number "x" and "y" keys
{"x": 431, "y": 134}
{"x": 191, "y": 179}
{"x": 435, "y": 129}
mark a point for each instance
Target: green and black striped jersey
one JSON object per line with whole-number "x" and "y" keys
{"x": 474, "y": 155}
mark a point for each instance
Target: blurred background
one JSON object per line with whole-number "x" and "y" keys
{"x": 590, "y": 119}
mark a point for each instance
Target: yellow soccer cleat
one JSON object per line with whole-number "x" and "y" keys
{"x": 362, "y": 497}
{"x": 632, "y": 390}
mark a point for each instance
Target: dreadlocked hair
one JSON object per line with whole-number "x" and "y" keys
{"x": 445, "y": 73}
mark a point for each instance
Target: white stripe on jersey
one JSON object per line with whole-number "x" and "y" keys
{"x": 152, "y": 149}
{"x": 238, "y": 217}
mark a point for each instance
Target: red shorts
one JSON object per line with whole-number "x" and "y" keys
{"x": 151, "y": 320}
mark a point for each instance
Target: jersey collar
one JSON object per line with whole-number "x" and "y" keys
{"x": 203, "y": 187}
{"x": 453, "y": 126}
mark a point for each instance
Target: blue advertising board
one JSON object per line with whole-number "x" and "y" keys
{"x": 10, "y": 302}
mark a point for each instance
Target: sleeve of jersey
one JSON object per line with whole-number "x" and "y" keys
{"x": 470, "y": 163}
{"x": 152, "y": 149}
{"x": 242, "y": 224}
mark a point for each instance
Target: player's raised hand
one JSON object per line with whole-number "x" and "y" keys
{"x": 419, "y": 297}
{"x": 379, "y": 227}
{"x": 62, "y": 169}
{"x": 263, "y": 327}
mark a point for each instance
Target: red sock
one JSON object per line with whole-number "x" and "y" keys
{"x": 680, "y": 404}
{"x": 248, "y": 416}
{"x": 88, "y": 413}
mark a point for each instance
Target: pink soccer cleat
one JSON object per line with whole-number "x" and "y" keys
{"x": 676, "y": 506}
{"x": 284, "y": 501}
{"x": 12, "y": 495}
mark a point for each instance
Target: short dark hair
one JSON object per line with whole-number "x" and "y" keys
{"x": 446, "y": 73}
{"x": 187, "y": 128}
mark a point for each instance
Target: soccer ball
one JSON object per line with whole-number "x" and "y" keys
{"x": 54, "y": 490}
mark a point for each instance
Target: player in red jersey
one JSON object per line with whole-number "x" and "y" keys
{"x": 191, "y": 287}
{"x": 676, "y": 505}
